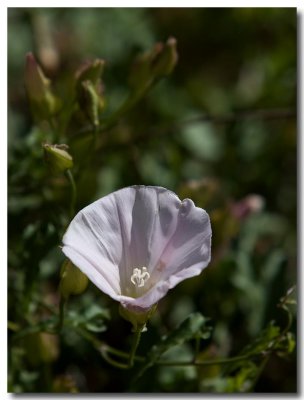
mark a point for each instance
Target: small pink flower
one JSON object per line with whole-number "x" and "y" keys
{"x": 248, "y": 205}
{"x": 137, "y": 243}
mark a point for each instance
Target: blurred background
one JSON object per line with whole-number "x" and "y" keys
{"x": 221, "y": 130}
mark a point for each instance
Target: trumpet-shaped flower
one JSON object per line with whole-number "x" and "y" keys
{"x": 137, "y": 243}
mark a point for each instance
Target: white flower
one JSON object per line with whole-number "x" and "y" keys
{"x": 137, "y": 243}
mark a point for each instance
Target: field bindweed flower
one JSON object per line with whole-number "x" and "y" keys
{"x": 137, "y": 243}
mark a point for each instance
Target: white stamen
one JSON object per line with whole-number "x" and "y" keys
{"x": 140, "y": 276}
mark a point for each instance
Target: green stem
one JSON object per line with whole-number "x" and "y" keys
{"x": 108, "y": 349}
{"x": 53, "y": 128}
{"x": 46, "y": 374}
{"x": 207, "y": 362}
{"x": 110, "y": 360}
{"x": 122, "y": 354}
{"x": 130, "y": 102}
{"x": 70, "y": 177}
{"x": 197, "y": 347}
{"x": 135, "y": 344}
{"x": 112, "y": 119}
{"x": 48, "y": 307}
{"x": 260, "y": 370}
{"x": 103, "y": 347}
{"x": 61, "y": 314}
{"x": 289, "y": 320}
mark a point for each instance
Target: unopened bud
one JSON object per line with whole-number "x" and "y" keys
{"x": 43, "y": 102}
{"x": 158, "y": 62}
{"x": 91, "y": 101}
{"x": 57, "y": 157}
{"x": 41, "y": 347}
{"x": 89, "y": 89}
{"x": 35, "y": 82}
{"x": 90, "y": 71}
{"x": 140, "y": 75}
{"x": 72, "y": 281}
{"x": 166, "y": 59}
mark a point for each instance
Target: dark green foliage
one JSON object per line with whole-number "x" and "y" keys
{"x": 194, "y": 327}
{"x": 92, "y": 318}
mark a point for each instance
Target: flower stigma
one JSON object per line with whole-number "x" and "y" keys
{"x": 140, "y": 276}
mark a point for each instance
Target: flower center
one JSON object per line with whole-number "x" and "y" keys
{"x": 140, "y": 276}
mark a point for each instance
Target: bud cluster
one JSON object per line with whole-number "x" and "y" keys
{"x": 158, "y": 62}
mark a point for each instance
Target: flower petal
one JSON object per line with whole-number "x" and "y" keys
{"x": 117, "y": 234}
{"x": 135, "y": 227}
{"x": 154, "y": 220}
{"x": 104, "y": 281}
{"x": 98, "y": 240}
{"x": 185, "y": 255}
{"x": 189, "y": 246}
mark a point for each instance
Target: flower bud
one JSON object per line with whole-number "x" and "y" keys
{"x": 72, "y": 281}
{"x": 140, "y": 75}
{"x": 158, "y": 62}
{"x": 89, "y": 89}
{"x": 41, "y": 347}
{"x": 90, "y": 71}
{"x": 91, "y": 102}
{"x": 137, "y": 317}
{"x": 42, "y": 100}
{"x": 166, "y": 59}
{"x": 56, "y": 156}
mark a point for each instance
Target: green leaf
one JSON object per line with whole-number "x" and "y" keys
{"x": 192, "y": 327}
{"x": 273, "y": 338}
{"x": 93, "y": 319}
{"x": 201, "y": 140}
{"x": 286, "y": 345}
{"x": 43, "y": 326}
{"x": 96, "y": 311}
{"x": 239, "y": 382}
{"x": 243, "y": 380}
{"x": 265, "y": 341}
{"x": 241, "y": 376}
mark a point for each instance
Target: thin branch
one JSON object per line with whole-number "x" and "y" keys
{"x": 70, "y": 178}
{"x": 167, "y": 128}
{"x": 260, "y": 114}
{"x": 110, "y": 360}
{"x": 206, "y": 363}
{"x": 263, "y": 114}
{"x": 136, "y": 339}
{"x": 62, "y": 304}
